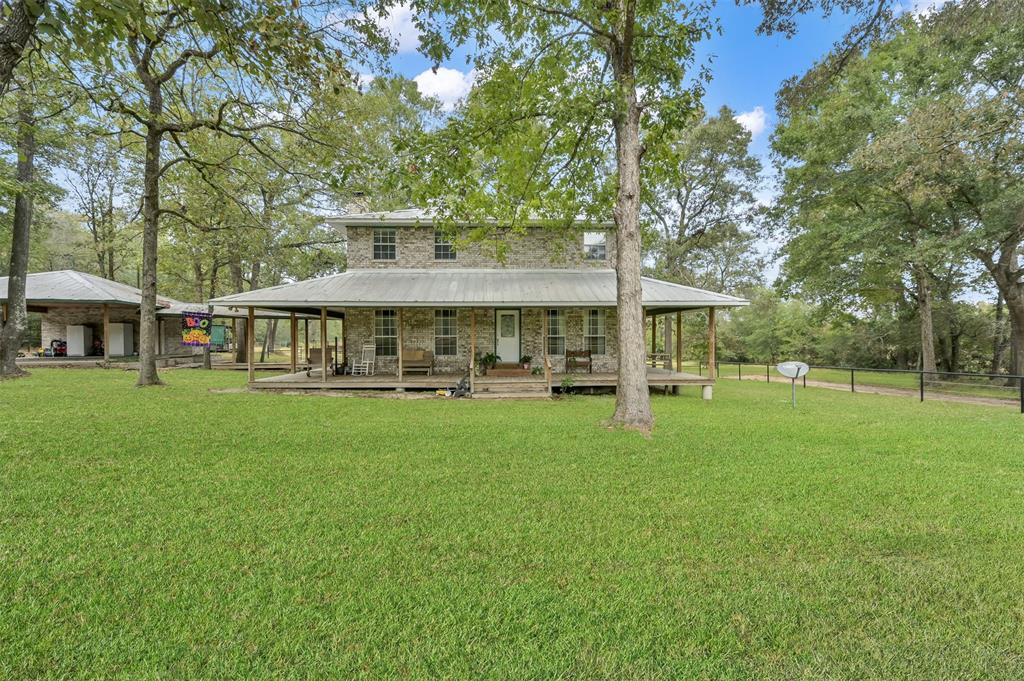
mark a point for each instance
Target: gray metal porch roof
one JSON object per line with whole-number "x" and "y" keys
{"x": 394, "y": 287}
{"x": 70, "y": 287}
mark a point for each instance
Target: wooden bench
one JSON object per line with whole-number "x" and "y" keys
{"x": 577, "y": 359}
{"x": 418, "y": 360}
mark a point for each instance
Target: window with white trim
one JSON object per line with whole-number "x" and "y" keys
{"x": 444, "y": 249}
{"x": 556, "y": 332}
{"x": 446, "y": 338}
{"x": 385, "y": 333}
{"x": 593, "y": 332}
{"x": 595, "y": 245}
{"x": 385, "y": 243}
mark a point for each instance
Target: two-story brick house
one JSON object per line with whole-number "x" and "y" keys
{"x": 410, "y": 287}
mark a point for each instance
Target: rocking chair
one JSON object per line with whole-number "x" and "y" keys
{"x": 367, "y": 360}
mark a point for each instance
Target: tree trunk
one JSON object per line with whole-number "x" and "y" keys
{"x": 1000, "y": 339}
{"x": 1015, "y": 308}
{"x": 271, "y": 336}
{"x": 1006, "y": 273}
{"x": 150, "y": 233}
{"x": 632, "y": 396}
{"x": 924, "y": 310}
{"x": 17, "y": 29}
{"x": 14, "y": 326}
{"x": 239, "y": 324}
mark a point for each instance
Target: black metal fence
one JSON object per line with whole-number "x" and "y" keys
{"x": 1002, "y": 387}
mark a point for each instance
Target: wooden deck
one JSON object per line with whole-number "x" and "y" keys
{"x": 661, "y": 378}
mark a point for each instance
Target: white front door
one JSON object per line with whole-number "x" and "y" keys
{"x": 506, "y": 332}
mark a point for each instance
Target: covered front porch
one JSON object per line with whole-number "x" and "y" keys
{"x": 317, "y": 380}
{"x": 507, "y": 331}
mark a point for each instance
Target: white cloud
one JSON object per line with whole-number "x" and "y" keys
{"x": 447, "y": 85}
{"x": 363, "y": 80}
{"x": 399, "y": 25}
{"x": 923, "y": 7}
{"x": 754, "y": 121}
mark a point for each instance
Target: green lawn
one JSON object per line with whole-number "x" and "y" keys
{"x": 178, "y": 533}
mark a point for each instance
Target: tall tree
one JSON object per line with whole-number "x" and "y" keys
{"x": 40, "y": 110}
{"x": 182, "y": 67}
{"x": 571, "y": 98}
{"x": 15, "y": 322}
{"x": 702, "y": 204}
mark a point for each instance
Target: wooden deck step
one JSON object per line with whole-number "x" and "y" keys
{"x": 519, "y": 395}
{"x": 511, "y": 387}
{"x": 508, "y": 370}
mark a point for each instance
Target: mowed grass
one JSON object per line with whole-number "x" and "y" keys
{"x": 177, "y": 533}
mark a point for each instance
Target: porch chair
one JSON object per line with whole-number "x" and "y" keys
{"x": 367, "y": 361}
{"x": 576, "y": 359}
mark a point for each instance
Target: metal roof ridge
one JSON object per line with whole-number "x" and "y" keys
{"x": 477, "y": 270}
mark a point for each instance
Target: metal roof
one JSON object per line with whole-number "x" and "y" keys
{"x": 79, "y": 288}
{"x": 69, "y": 286}
{"x": 471, "y": 288}
{"x": 421, "y": 217}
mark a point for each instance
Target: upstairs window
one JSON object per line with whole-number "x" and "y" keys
{"x": 593, "y": 332}
{"x": 556, "y": 332}
{"x": 446, "y": 341}
{"x": 385, "y": 243}
{"x": 385, "y": 333}
{"x": 444, "y": 249}
{"x": 595, "y": 245}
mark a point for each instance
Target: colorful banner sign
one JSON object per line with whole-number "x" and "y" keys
{"x": 195, "y": 328}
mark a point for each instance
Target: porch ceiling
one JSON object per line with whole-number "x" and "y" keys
{"x": 395, "y": 287}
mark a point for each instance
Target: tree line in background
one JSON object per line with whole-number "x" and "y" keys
{"x": 217, "y": 135}
{"x": 900, "y": 211}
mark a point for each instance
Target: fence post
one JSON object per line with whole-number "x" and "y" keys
{"x": 739, "y": 371}
{"x": 805, "y": 380}
{"x": 852, "y": 388}
{"x": 767, "y": 374}
{"x": 922, "y": 386}
{"x": 1020, "y": 382}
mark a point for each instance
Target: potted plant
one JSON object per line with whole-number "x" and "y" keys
{"x": 488, "y": 361}
{"x": 525, "y": 361}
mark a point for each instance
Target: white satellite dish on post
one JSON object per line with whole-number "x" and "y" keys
{"x": 793, "y": 371}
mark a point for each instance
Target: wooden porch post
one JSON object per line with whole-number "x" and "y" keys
{"x": 654, "y": 338}
{"x": 323, "y": 344}
{"x": 401, "y": 341}
{"x": 344, "y": 346}
{"x": 294, "y": 330}
{"x": 106, "y": 333}
{"x": 472, "y": 349}
{"x": 712, "y": 353}
{"x": 305, "y": 342}
{"x": 679, "y": 341}
{"x": 250, "y": 342}
{"x": 712, "y": 343}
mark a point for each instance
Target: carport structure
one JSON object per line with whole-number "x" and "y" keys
{"x": 70, "y": 298}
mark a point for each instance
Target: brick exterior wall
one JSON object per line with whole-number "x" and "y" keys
{"x": 55, "y": 320}
{"x": 418, "y": 334}
{"x": 537, "y": 248}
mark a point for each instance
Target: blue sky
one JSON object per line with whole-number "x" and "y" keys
{"x": 747, "y": 69}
